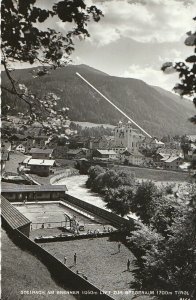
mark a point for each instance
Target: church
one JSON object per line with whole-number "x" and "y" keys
{"x": 126, "y": 137}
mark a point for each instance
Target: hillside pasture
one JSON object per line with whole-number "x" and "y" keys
{"x": 157, "y": 174}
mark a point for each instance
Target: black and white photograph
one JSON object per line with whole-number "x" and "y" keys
{"x": 98, "y": 149}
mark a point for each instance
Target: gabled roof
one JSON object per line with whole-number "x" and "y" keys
{"x": 108, "y": 137}
{"x": 172, "y": 158}
{"x": 165, "y": 157}
{"x": 129, "y": 153}
{"x": 33, "y": 188}
{"x": 41, "y": 137}
{"x": 26, "y": 160}
{"x": 191, "y": 137}
{"x": 75, "y": 151}
{"x": 40, "y": 151}
{"x": 126, "y": 152}
{"x": 41, "y": 162}
{"x": 107, "y": 152}
{"x": 20, "y": 146}
{"x": 18, "y": 136}
{"x": 11, "y": 215}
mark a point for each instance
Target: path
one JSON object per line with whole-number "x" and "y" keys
{"x": 76, "y": 186}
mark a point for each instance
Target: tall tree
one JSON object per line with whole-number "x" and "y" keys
{"x": 119, "y": 200}
{"x": 187, "y": 72}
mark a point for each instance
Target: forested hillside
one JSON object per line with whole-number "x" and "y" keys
{"x": 159, "y": 112}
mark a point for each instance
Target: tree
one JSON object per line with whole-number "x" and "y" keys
{"x": 168, "y": 263}
{"x": 119, "y": 200}
{"x": 185, "y": 145}
{"x": 145, "y": 197}
{"x": 101, "y": 182}
{"x": 187, "y": 72}
{"x": 26, "y": 38}
{"x": 93, "y": 172}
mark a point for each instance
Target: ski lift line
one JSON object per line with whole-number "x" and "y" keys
{"x": 122, "y": 112}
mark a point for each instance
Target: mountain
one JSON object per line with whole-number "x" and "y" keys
{"x": 158, "y": 111}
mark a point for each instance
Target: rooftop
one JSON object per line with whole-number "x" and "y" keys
{"x": 171, "y": 159}
{"x": 41, "y": 162}
{"x": 12, "y": 216}
{"x": 191, "y": 138}
{"x": 129, "y": 153}
{"x": 38, "y": 150}
{"x": 104, "y": 152}
{"x": 165, "y": 157}
{"x": 76, "y": 151}
{"x": 33, "y": 188}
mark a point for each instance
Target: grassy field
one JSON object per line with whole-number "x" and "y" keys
{"x": 156, "y": 174}
{"x": 22, "y": 271}
{"x": 99, "y": 260}
{"x": 12, "y": 163}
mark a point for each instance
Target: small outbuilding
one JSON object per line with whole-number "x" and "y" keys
{"x": 19, "y": 193}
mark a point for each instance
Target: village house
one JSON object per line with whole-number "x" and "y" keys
{"x": 17, "y": 138}
{"x": 40, "y": 141}
{"x": 41, "y": 167}
{"x": 132, "y": 158}
{"x": 145, "y": 142}
{"x": 103, "y": 154}
{"x": 79, "y": 142}
{"x": 191, "y": 138}
{"x": 172, "y": 144}
{"x": 173, "y": 163}
{"x": 155, "y": 144}
{"x": 21, "y": 148}
{"x": 60, "y": 151}
{"x": 41, "y": 153}
{"x": 119, "y": 150}
{"x": 103, "y": 142}
{"x": 77, "y": 153}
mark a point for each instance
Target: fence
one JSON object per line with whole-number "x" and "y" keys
{"x": 66, "y": 277}
{"x": 114, "y": 219}
{"x": 48, "y": 225}
{"x": 62, "y": 175}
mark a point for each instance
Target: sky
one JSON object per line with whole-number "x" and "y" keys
{"x": 135, "y": 37}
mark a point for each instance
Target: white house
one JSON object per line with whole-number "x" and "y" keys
{"x": 132, "y": 158}
{"x": 41, "y": 167}
{"x": 21, "y": 148}
{"x": 173, "y": 162}
{"x": 107, "y": 155}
